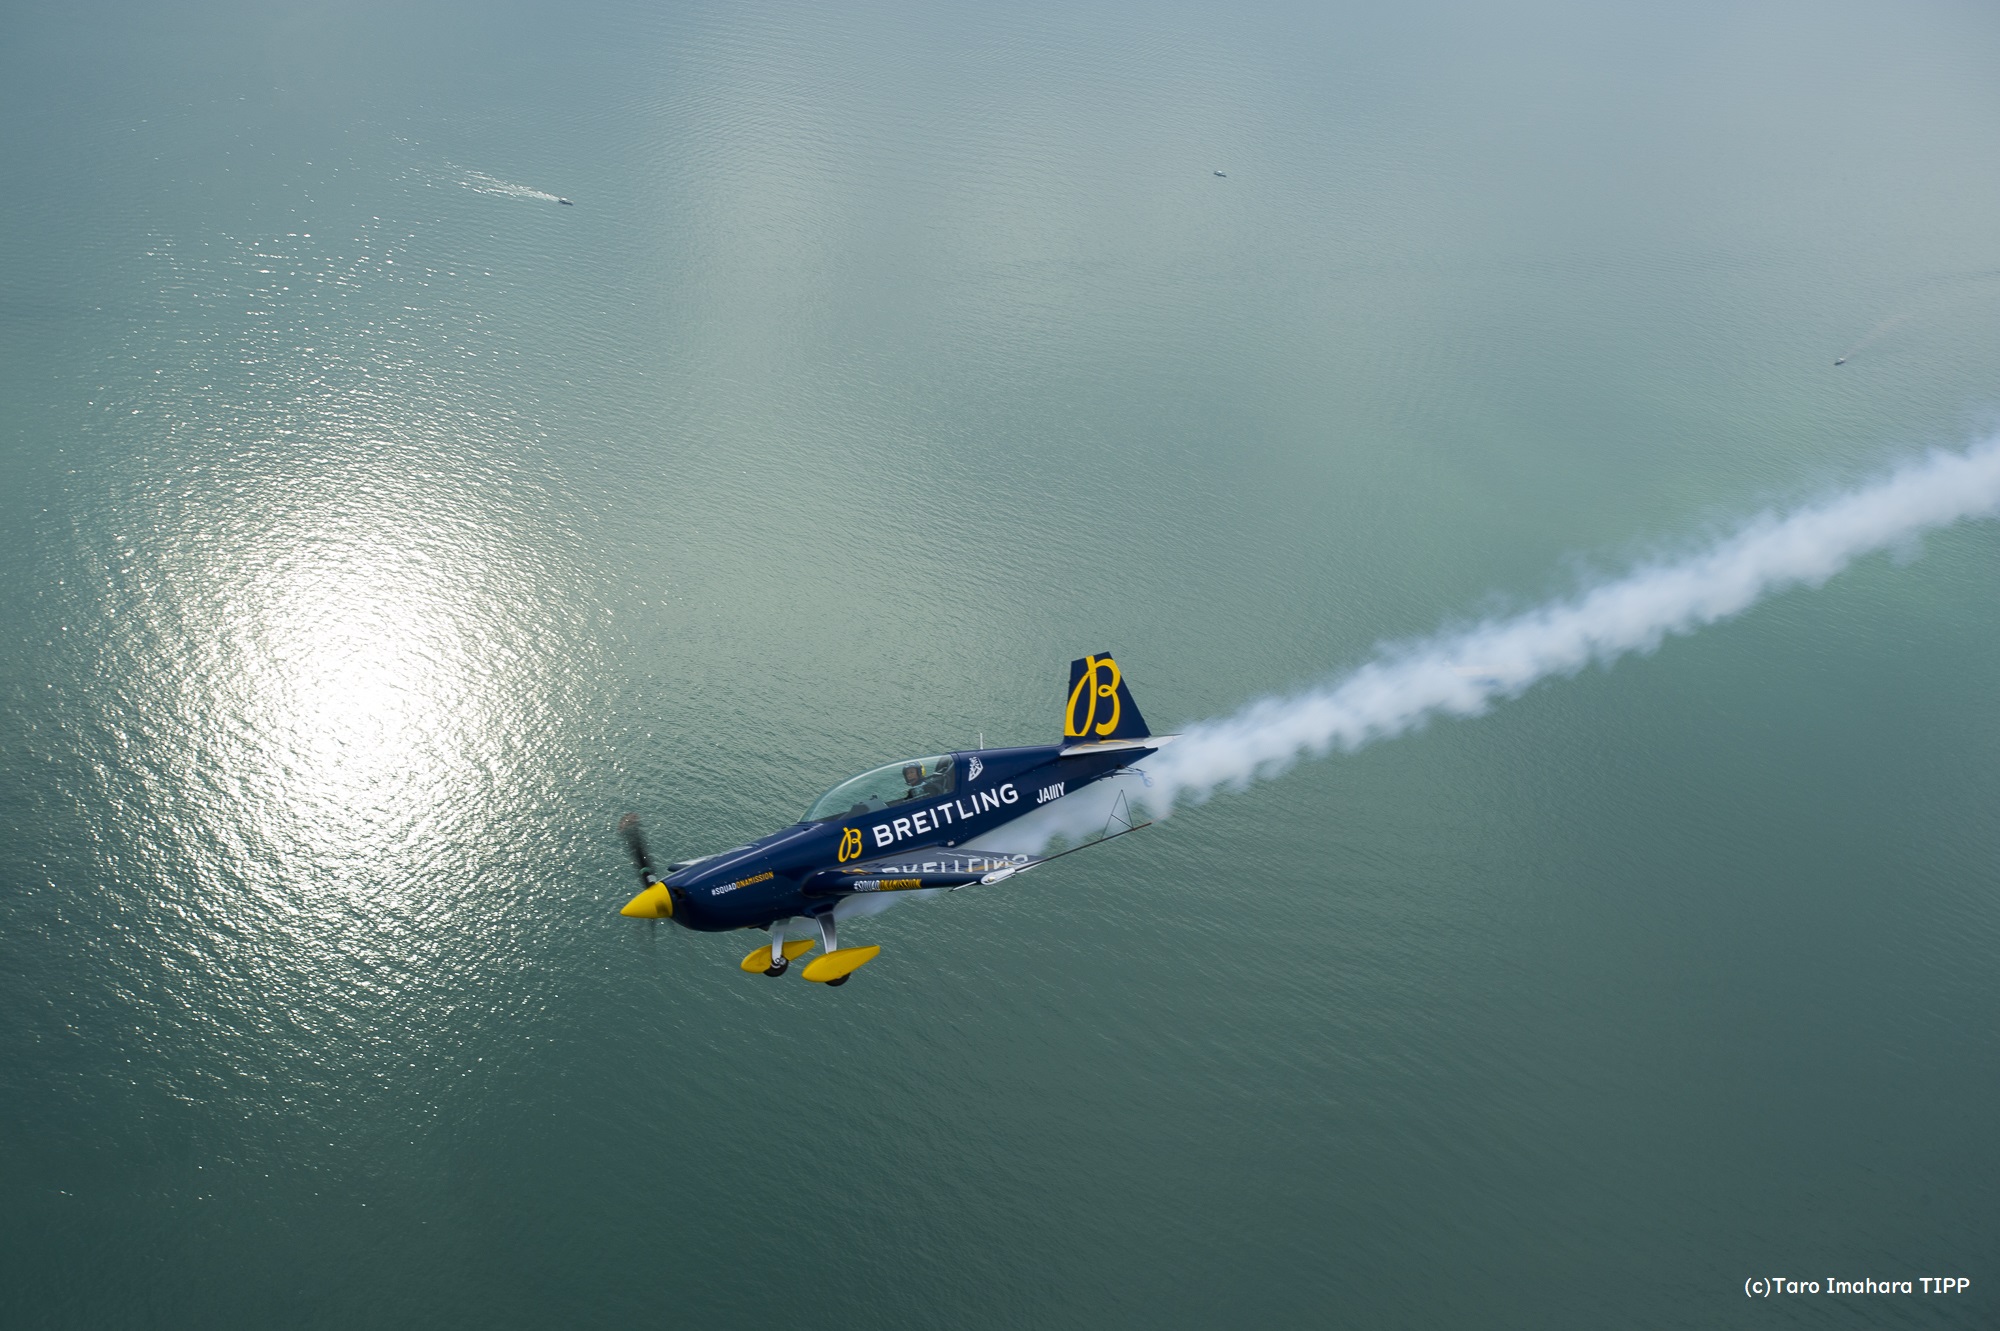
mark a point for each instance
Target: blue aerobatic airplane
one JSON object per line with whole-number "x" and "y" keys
{"x": 923, "y": 825}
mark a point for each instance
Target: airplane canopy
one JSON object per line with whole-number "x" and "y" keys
{"x": 886, "y": 785}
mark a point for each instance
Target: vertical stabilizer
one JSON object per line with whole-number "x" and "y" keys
{"x": 1100, "y": 706}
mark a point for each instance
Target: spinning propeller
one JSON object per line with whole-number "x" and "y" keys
{"x": 654, "y": 902}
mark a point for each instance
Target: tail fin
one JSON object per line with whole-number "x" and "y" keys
{"x": 1100, "y": 706}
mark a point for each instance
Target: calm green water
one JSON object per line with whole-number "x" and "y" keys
{"x": 377, "y": 531}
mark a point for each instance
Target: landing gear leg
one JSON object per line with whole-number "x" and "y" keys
{"x": 777, "y": 958}
{"x": 829, "y": 942}
{"x": 780, "y": 963}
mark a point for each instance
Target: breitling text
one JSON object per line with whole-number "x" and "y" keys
{"x": 926, "y": 822}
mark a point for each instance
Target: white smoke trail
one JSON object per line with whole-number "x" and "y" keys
{"x": 1409, "y": 683}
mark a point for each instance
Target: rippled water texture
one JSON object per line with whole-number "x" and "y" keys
{"x": 379, "y": 528}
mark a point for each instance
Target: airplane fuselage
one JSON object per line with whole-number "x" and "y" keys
{"x": 801, "y": 871}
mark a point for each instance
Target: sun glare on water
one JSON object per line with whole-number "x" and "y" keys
{"x": 357, "y": 704}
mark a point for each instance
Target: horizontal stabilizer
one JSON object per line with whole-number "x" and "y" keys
{"x": 1078, "y": 748}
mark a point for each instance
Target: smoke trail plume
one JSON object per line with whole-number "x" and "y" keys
{"x": 1409, "y": 683}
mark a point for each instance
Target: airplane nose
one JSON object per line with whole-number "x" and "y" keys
{"x": 655, "y": 903}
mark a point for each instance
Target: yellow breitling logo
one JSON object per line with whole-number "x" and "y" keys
{"x": 850, "y": 844}
{"x": 1089, "y": 688}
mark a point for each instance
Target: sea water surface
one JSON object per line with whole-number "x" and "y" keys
{"x": 377, "y": 530}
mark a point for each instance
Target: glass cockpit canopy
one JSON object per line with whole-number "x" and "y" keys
{"x": 897, "y": 783}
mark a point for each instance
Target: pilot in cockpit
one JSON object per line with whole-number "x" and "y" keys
{"x": 919, "y": 787}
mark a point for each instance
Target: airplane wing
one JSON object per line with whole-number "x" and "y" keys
{"x": 935, "y": 867}
{"x": 923, "y": 867}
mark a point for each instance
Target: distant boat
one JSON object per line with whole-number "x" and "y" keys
{"x": 1224, "y": 175}
{"x": 565, "y": 201}
{"x": 1840, "y": 360}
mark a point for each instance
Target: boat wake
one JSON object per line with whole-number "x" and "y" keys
{"x": 481, "y": 183}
